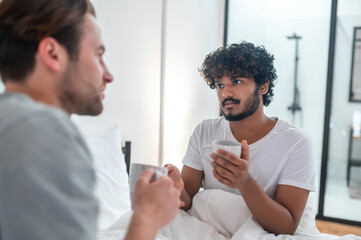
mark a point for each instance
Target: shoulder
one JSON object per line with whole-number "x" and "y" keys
{"x": 18, "y": 110}
{"x": 212, "y": 123}
{"x": 37, "y": 129}
{"x": 289, "y": 137}
{"x": 38, "y": 140}
{"x": 209, "y": 129}
{"x": 291, "y": 131}
{"x": 23, "y": 116}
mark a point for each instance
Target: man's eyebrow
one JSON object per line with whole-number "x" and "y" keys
{"x": 237, "y": 76}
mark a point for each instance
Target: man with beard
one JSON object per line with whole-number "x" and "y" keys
{"x": 51, "y": 62}
{"x": 274, "y": 173}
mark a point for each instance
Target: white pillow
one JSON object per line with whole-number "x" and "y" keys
{"x": 112, "y": 188}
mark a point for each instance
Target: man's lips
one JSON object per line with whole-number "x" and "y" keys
{"x": 228, "y": 103}
{"x": 102, "y": 95}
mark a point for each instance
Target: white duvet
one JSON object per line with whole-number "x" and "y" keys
{"x": 216, "y": 214}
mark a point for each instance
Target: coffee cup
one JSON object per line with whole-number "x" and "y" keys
{"x": 136, "y": 170}
{"x": 227, "y": 145}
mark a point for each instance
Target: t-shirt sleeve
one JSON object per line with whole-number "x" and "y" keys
{"x": 299, "y": 168}
{"x": 193, "y": 155}
{"x": 46, "y": 182}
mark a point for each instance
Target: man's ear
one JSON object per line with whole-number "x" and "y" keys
{"x": 52, "y": 54}
{"x": 264, "y": 88}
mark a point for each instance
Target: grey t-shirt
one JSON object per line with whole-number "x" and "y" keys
{"x": 46, "y": 176}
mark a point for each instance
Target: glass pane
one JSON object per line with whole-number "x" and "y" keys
{"x": 343, "y": 199}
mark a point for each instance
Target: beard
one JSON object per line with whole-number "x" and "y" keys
{"x": 82, "y": 99}
{"x": 250, "y": 107}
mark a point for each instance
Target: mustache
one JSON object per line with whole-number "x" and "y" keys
{"x": 234, "y": 101}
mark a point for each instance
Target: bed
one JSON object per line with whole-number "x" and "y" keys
{"x": 212, "y": 215}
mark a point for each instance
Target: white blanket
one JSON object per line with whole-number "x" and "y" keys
{"x": 216, "y": 214}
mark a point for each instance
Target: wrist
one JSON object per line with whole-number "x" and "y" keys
{"x": 247, "y": 185}
{"x": 141, "y": 227}
{"x": 142, "y": 218}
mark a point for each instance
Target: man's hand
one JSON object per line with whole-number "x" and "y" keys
{"x": 175, "y": 175}
{"x": 231, "y": 170}
{"x": 156, "y": 203}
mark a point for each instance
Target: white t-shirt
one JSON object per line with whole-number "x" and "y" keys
{"x": 284, "y": 156}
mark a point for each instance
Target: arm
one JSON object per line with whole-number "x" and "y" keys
{"x": 155, "y": 204}
{"x": 188, "y": 182}
{"x": 279, "y": 216}
{"x": 192, "y": 182}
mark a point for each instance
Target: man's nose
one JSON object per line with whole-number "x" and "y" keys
{"x": 227, "y": 91}
{"x": 108, "y": 77}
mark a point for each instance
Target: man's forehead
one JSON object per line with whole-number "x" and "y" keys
{"x": 239, "y": 74}
{"x": 234, "y": 76}
{"x": 91, "y": 28}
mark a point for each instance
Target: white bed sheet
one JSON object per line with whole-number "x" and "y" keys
{"x": 216, "y": 214}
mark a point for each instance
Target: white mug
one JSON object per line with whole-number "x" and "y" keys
{"x": 136, "y": 170}
{"x": 229, "y": 146}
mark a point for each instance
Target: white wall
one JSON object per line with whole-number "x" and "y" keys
{"x": 131, "y": 31}
{"x": 194, "y": 28}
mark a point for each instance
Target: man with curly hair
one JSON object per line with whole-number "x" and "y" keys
{"x": 274, "y": 173}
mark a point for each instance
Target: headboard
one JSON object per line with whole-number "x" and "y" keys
{"x": 127, "y": 150}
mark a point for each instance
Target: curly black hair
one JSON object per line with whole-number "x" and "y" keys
{"x": 241, "y": 59}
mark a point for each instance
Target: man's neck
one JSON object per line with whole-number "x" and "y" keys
{"x": 252, "y": 128}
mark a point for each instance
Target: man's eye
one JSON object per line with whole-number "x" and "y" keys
{"x": 236, "y": 82}
{"x": 218, "y": 86}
